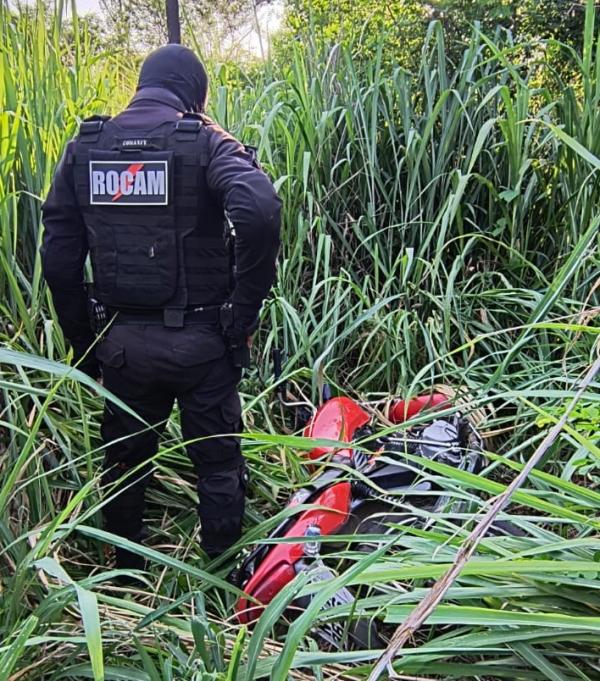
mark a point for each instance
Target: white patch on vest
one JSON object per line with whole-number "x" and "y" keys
{"x": 145, "y": 180}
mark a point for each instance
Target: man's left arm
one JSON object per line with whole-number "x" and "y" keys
{"x": 64, "y": 251}
{"x": 254, "y": 208}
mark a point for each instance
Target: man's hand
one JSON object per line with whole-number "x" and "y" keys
{"x": 239, "y": 344}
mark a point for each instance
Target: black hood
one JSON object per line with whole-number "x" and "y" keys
{"x": 177, "y": 69}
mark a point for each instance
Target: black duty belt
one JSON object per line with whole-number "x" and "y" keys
{"x": 195, "y": 315}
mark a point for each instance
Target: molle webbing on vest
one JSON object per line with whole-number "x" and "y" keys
{"x": 151, "y": 250}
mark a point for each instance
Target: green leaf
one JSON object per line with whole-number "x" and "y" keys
{"x": 88, "y": 606}
{"x": 489, "y": 617}
{"x": 10, "y": 655}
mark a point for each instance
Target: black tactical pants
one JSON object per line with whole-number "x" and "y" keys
{"x": 149, "y": 366}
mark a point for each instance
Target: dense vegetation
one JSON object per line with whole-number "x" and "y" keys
{"x": 440, "y": 227}
{"x": 360, "y": 24}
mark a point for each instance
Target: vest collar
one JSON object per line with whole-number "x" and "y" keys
{"x": 159, "y": 95}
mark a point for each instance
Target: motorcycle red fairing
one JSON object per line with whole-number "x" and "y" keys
{"x": 269, "y": 568}
{"x": 338, "y": 419}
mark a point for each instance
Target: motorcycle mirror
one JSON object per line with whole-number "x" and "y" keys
{"x": 303, "y": 410}
{"x": 278, "y": 359}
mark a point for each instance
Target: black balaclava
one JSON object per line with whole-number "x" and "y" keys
{"x": 177, "y": 69}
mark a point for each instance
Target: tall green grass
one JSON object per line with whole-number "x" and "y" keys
{"x": 440, "y": 227}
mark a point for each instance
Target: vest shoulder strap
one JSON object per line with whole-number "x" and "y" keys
{"x": 188, "y": 139}
{"x": 188, "y": 127}
{"x": 91, "y": 127}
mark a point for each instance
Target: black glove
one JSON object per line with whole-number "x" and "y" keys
{"x": 237, "y": 342}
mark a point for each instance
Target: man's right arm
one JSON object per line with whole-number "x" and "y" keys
{"x": 64, "y": 251}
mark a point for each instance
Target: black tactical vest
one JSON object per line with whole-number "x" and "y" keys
{"x": 156, "y": 237}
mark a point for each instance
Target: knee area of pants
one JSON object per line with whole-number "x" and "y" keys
{"x": 223, "y": 489}
{"x": 230, "y": 480}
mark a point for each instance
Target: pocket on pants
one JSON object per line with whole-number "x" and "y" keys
{"x": 231, "y": 412}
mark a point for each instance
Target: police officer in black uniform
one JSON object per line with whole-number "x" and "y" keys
{"x": 152, "y": 195}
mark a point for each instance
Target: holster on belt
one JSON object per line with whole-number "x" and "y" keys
{"x": 236, "y": 339}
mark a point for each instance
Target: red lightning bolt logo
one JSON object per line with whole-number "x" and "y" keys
{"x": 134, "y": 169}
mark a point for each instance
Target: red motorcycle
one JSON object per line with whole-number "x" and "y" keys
{"x": 364, "y": 502}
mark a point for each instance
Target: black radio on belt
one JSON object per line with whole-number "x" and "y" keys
{"x": 98, "y": 315}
